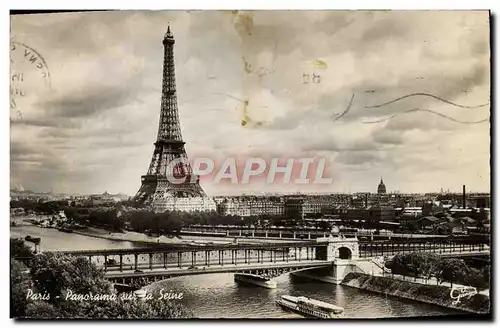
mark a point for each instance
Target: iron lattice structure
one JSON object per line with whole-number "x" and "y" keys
{"x": 169, "y": 156}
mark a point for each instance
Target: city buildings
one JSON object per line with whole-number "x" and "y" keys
{"x": 382, "y": 213}
{"x": 185, "y": 204}
{"x": 431, "y": 212}
{"x": 251, "y": 206}
{"x": 294, "y": 207}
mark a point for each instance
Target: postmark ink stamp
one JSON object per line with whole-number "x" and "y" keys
{"x": 29, "y": 77}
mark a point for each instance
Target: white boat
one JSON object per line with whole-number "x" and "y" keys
{"x": 310, "y": 307}
{"x": 195, "y": 243}
{"x": 255, "y": 280}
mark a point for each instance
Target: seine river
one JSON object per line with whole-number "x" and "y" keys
{"x": 218, "y": 296}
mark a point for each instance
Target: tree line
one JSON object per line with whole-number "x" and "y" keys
{"x": 169, "y": 222}
{"x": 429, "y": 265}
{"x": 40, "y": 207}
{"x": 122, "y": 215}
{"x": 146, "y": 221}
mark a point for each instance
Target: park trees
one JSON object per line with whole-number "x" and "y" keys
{"x": 20, "y": 282}
{"x": 452, "y": 271}
{"x": 428, "y": 265}
{"x": 54, "y": 276}
{"x": 19, "y": 249}
{"x": 140, "y": 221}
{"x": 477, "y": 278}
{"x": 325, "y": 226}
{"x": 423, "y": 264}
{"x": 106, "y": 218}
{"x": 411, "y": 226}
{"x": 54, "y": 273}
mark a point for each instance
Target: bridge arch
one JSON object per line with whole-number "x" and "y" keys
{"x": 276, "y": 272}
{"x": 266, "y": 273}
{"x": 345, "y": 253}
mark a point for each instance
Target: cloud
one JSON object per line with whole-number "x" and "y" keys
{"x": 385, "y": 136}
{"x": 95, "y": 129}
{"x": 86, "y": 102}
{"x": 359, "y": 158}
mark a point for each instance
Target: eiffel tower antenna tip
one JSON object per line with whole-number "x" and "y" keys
{"x": 169, "y": 33}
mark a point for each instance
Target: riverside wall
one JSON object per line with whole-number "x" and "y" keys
{"x": 432, "y": 294}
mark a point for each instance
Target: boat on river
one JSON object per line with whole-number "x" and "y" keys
{"x": 310, "y": 307}
{"x": 250, "y": 279}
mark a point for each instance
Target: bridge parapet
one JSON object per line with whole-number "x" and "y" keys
{"x": 332, "y": 238}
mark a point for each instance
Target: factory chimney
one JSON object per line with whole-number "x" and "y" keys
{"x": 463, "y": 197}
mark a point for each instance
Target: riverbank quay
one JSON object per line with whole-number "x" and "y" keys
{"x": 432, "y": 294}
{"x": 138, "y": 239}
{"x": 181, "y": 239}
{"x": 127, "y": 236}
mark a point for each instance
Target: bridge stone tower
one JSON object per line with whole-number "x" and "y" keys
{"x": 343, "y": 252}
{"x": 341, "y": 248}
{"x": 169, "y": 164}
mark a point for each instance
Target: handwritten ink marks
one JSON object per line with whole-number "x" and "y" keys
{"x": 29, "y": 76}
{"x": 314, "y": 78}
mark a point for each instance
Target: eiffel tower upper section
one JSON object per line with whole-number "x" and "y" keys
{"x": 169, "y": 145}
{"x": 169, "y": 129}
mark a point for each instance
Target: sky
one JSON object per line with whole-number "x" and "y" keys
{"x": 270, "y": 84}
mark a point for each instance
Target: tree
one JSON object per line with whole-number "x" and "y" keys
{"x": 397, "y": 264}
{"x": 429, "y": 265}
{"x": 54, "y": 273}
{"x": 168, "y": 223}
{"x": 422, "y": 264}
{"x": 452, "y": 271}
{"x": 140, "y": 221}
{"x": 486, "y": 273}
{"x": 20, "y": 283}
{"x": 252, "y": 221}
{"x": 42, "y": 310}
{"x": 475, "y": 278}
{"x": 415, "y": 264}
{"x": 19, "y": 249}
{"x": 325, "y": 226}
{"x": 411, "y": 226}
{"x": 60, "y": 275}
{"x": 106, "y": 218}
{"x": 78, "y": 214}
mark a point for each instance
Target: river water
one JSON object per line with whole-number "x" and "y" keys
{"x": 218, "y": 296}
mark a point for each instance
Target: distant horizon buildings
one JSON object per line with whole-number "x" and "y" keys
{"x": 259, "y": 194}
{"x": 372, "y": 206}
{"x": 18, "y": 189}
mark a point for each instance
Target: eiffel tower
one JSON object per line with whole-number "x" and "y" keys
{"x": 169, "y": 163}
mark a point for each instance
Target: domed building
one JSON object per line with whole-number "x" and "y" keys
{"x": 381, "y": 187}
